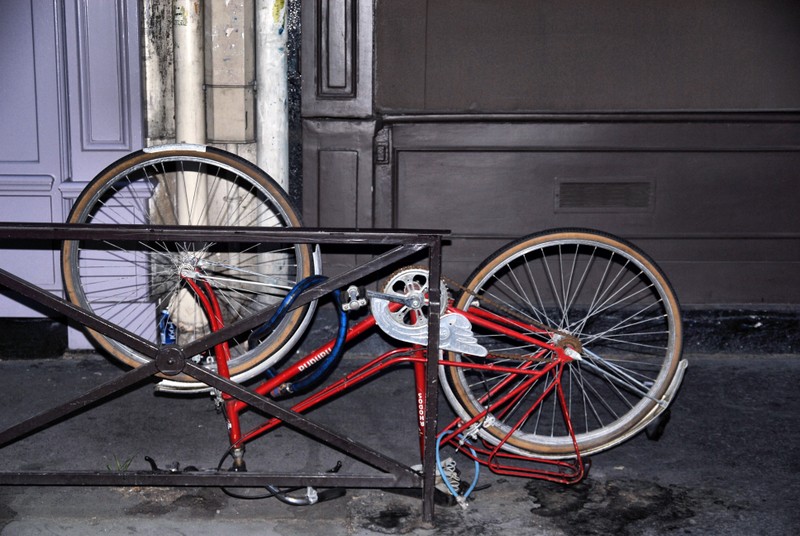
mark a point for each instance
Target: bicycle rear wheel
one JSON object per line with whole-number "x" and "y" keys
{"x": 601, "y": 295}
{"x": 137, "y": 285}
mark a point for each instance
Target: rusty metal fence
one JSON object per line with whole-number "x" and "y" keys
{"x": 172, "y": 360}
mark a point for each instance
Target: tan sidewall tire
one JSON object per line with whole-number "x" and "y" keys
{"x": 97, "y": 185}
{"x": 512, "y": 250}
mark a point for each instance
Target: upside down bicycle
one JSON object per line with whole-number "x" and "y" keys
{"x": 560, "y": 345}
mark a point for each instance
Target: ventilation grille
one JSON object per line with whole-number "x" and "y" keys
{"x": 581, "y": 195}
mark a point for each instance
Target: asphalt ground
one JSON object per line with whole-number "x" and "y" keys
{"x": 727, "y": 463}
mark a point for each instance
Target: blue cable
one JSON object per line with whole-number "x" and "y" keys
{"x": 280, "y": 312}
{"x": 444, "y": 477}
{"x": 323, "y": 367}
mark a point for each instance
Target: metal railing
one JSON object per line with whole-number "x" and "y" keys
{"x": 171, "y": 360}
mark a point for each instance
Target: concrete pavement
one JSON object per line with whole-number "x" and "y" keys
{"x": 727, "y": 464}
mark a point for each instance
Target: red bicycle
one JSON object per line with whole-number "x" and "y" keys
{"x": 559, "y": 345}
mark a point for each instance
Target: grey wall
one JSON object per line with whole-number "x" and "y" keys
{"x": 587, "y": 55}
{"x": 673, "y": 124}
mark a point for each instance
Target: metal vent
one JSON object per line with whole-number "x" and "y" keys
{"x": 581, "y": 195}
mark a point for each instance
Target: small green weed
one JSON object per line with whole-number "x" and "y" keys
{"x": 120, "y": 466}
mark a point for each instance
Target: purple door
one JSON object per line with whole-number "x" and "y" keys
{"x": 70, "y": 104}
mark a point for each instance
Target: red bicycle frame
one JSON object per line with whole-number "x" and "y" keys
{"x": 492, "y": 455}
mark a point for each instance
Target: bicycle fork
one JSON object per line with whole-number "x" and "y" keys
{"x": 222, "y": 354}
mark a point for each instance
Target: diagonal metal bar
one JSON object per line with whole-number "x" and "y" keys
{"x": 206, "y": 342}
{"x": 381, "y": 261}
{"x": 73, "y": 312}
{"x": 99, "y": 393}
{"x": 300, "y": 422}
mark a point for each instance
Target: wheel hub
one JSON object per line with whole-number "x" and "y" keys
{"x": 188, "y": 264}
{"x": 570, "y": 344}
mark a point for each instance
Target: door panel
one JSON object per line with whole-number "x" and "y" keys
{"x": 27, "y": 200}
{"x": 29, "y": 108}
{"x": 71, "y": 104}
{"x": 18, "y": 105}
{"x": 715, "y": 203}
{"x": 105, "y": 96}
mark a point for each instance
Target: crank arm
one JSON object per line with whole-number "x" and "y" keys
{"x": 408, "y": 301}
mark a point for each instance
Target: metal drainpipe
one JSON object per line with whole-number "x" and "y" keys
{"x": 190, "y": 117}
{"x": 190, "y": 127}
{"x": 272, "y": 114}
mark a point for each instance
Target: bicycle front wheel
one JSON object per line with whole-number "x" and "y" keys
{"x": 138, "y": 286}
{"x": 594, "y": 292}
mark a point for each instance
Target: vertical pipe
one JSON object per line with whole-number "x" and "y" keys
{"x": 190, "y": 123}
{"x": 190, "y": 118}
{"x": 272, "y": 112}
{"x": 272, "y": 109}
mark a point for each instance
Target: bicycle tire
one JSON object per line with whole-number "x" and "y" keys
{"x": 130, "y": 284}
{"x": 591, "y": 287}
